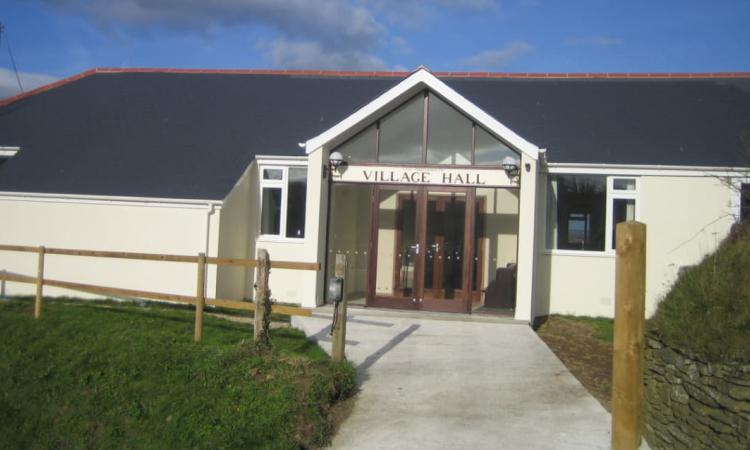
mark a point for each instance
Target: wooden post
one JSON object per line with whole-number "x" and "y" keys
{"x": 39, "y": 283}
{"x": 200, "y": 297}
{"x": 338, "y": 345}
{"x": 261, "y": 336}
{"x": 627, "y": 359}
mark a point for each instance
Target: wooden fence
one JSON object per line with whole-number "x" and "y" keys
{"x": 199, "y": 300}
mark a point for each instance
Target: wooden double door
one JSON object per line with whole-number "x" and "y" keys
{"x": 420, "y": 248}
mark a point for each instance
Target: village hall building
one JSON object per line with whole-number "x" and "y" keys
{"x": 453, "y": 192}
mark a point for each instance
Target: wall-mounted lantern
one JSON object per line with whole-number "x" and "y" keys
{"x": 335, "y": 160}
{"x": 511, "y": 166}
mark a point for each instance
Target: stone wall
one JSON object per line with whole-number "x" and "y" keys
{"x": 691, "y": 404}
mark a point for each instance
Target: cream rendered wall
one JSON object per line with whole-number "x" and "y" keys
{"x": 686, "y": 217}
{"x": 132, "y": 226}
{"x": 235, "y": 232}
{"x": 526, "y": 239}
{"x": 303, "y": 287}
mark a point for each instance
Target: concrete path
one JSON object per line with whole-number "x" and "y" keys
{"x": 459, "y": 384}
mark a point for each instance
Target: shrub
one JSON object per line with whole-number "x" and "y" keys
{"x": 708, "y": 309}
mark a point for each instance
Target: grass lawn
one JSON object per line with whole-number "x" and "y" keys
{"x": 584, "y": 345}
{"x": 124, "y": 376}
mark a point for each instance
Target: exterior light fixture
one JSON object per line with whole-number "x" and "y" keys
{"x": 510, "y": 164}
{"x": 335, "y": 159}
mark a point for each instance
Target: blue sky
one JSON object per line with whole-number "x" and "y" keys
{"x": 52, "y": 39}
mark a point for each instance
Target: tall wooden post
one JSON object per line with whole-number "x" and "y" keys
{"x": 338, "y": 345}
{"x": 627, "y": 360}
{"x": 261, "y": 336}
{"x": 39, "y": 283}
{"x": 200, "y": 300}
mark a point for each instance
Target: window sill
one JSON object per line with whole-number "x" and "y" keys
{"x": 584, "y": 253}
{"x": 279, "y": 239}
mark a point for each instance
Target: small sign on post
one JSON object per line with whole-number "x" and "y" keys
{"x": 338, "y": 345}
{"x": 261, "y": 336}
{"x": 627, "y": 358}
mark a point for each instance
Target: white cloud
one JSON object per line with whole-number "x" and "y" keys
{"x": 598, "y": 41}
{"x": 490, "y": 59}
{"x": 312, "y": 55}
{"x": 419, "y": 14}
{"x": 29, "y": 80}
{"x": 337, "y": 23}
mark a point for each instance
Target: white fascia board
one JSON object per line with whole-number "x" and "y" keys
{"x": 657, "y": 170}
{"x": 281, "y": 160}
{"x": 281, "y": 157}
{"x": 412, "y": 84}
{"x": 111, "y": 200}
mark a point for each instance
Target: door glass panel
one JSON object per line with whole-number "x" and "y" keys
{"x": 444, "y": 257}
{"x": 397, "y": 244}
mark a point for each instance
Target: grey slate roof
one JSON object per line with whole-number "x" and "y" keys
{"x": 190, "y": 135}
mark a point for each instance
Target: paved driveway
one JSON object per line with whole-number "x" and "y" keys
{"x": 452, "y": 384}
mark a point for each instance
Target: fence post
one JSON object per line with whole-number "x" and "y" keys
{"x": 338, "y": 346}
{"x": 627, "y": 358}
{"x": 39, "y": 283}
{"x": 261, "y": 337}
{"x": 200, "y": 299}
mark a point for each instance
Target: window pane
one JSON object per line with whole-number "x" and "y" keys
{"x": 350, "y": 236}
{"x": 624, "y": 184}
{"x": 581, "y": 212}
{"x": 488, "y": 150}
{"x": 401, "y": 133}
{"x": 744, "y": 202}
{"x": 448, "y": 134}
{"x": 273, "y": 174}
{"x": 296, "y": 200}
{"x": 622, "y": 211}
{"x": 361, "y": 147}
{"x": 270, "y": 216}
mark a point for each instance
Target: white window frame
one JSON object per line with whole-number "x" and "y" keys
{"x": 283, "y": 183}
{"x": 612, "y": 195}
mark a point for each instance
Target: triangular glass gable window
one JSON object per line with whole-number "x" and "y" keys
{"x": 452, "y": 138}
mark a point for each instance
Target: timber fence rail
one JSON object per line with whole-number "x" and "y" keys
{"x": 262, "y": 265}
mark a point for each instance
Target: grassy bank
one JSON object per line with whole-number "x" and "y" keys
{"x": 707, "y": 311}
{"x": 128, "y": 377}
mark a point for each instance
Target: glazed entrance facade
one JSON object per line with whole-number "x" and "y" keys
{"x": 433, "y": 248}
{"x": 425, "y": 208}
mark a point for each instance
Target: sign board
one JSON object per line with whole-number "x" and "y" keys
{"x": 448, "y": 176}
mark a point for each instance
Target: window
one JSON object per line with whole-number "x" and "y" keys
{"x": 584, "y": 210}
{"x": 745, "y": 202}
{"x": 622, "y": 193}
{"x": 283, "y": 201}
{"x": 448, "y": 134}
{"x": 452, "y": 138}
